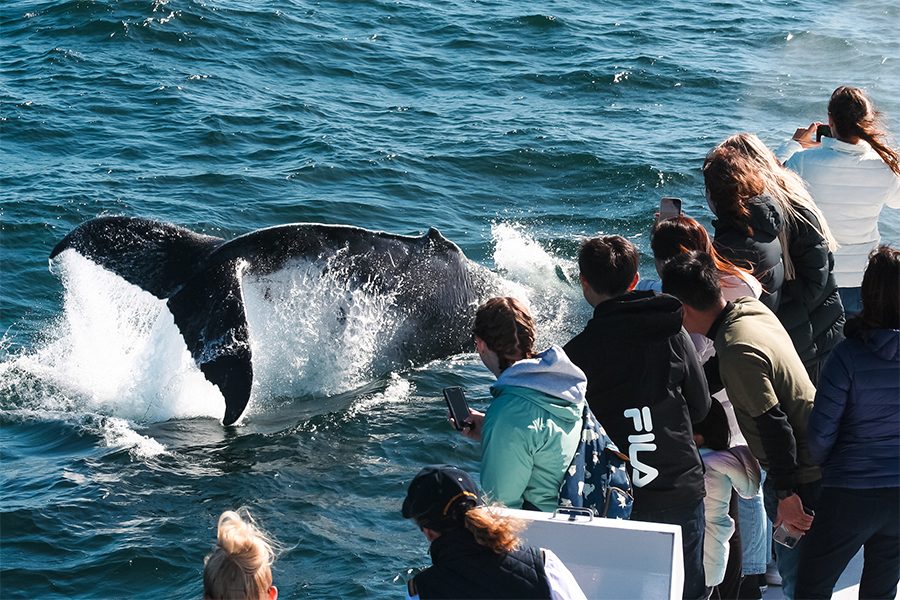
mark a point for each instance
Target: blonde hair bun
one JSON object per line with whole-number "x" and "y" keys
{"x": 240, "y": 566}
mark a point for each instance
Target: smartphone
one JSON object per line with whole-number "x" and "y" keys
{"x": 789, "y": 538}
{"x": 456, "y": 402}
{"x": 785, "y": 537}
{"x": 823, "y": 131}
{"x": 669, "y": 208}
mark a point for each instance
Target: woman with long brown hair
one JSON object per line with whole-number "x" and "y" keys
{"x": 671, "y": 237}
{"x": 851, "y": 176}
{"x": 748, "y": 221}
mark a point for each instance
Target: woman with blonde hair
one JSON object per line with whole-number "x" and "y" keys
{"x": 475, "y": 550}
{"x": 240, "y": 568}
{"x": 852, "y": 173}
{"x": 810, "y": 308}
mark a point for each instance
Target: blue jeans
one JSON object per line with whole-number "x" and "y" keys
{"x": 692, "y": 520}
{"x": 755, "y": 543}
{"x": 847, "y": 520}
{"x": 788, "y": 559}
{"x": 851, "y": 298}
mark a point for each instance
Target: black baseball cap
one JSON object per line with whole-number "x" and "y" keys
{"x": 435, "y": 492}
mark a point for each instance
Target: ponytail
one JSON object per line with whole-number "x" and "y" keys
{"x": 853, "y": 115}
{"x": 493, "y": 530}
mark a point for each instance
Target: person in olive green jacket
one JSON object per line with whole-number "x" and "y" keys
{"x": 532, "y": 428}
{"x": 770, "y": 390}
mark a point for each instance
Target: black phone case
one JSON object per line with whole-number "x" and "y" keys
{"x": 458, "y": 419}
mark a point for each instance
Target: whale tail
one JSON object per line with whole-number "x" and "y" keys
{"x": 209, "y": 312}
{"x": 170, "y": 262}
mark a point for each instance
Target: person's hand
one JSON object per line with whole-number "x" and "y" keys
{"x": 806, "y": 136}
{"x": 472, "y": 425}
{"x": 791, "y": 513}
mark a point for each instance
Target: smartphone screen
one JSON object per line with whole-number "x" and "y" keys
{"x": 456, "y": 402}
{"x": 669, "y": 208}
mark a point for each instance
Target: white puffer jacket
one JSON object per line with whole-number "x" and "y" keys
{"x": 725, "y": 469}
{"x": 851, "y": 184}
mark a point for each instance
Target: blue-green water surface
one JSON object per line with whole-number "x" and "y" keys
{"x": 515, "y": 128}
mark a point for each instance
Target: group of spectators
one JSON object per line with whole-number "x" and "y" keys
{"x": 791, "y": 310}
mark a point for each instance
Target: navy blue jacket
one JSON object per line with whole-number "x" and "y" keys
{"x": 854, "y": 427}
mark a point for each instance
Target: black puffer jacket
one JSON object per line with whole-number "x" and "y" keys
{"x": 646, "y": 387}
{"x": 761, "y": 251}
{"x": 810, "y": 307}
{"x": 462, "y": 568}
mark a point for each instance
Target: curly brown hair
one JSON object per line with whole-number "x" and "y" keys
{"x": 507, "y": 328}
{"x": 493, "y": 530}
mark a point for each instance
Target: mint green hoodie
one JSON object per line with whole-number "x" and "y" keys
{"x": 531, "y": 430}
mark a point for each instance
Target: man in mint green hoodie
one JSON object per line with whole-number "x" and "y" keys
{"x": 533, "y": 426}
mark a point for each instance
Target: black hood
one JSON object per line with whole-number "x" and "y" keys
{"x": 765, "y": 219}
{"x": 641, "y": 314}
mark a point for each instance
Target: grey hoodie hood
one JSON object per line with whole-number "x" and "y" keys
{"x": 551, "y": 373}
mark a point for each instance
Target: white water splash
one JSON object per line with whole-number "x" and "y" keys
{"x": 398, "y": 390}
{"x": 114, "y": 351}
{"x": 312, "y": 331}
{"x": 547, "y": 283}
{"x": 118, "y": 433}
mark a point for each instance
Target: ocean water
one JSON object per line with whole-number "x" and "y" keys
{"x": 514, "y": 128}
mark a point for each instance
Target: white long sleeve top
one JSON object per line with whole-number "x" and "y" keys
{"x": 851, "y": 184}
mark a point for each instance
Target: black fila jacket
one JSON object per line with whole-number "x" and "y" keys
{"x": 646, "y": 387}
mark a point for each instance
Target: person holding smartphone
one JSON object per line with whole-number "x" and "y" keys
{"x": 532, "y": 428}
{"x": 769, "y": 388}
{"x": 852, "y": 175}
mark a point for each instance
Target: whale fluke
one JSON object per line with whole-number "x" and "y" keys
{"x": 155, "y": 256}
{"x": 435, "y": 287}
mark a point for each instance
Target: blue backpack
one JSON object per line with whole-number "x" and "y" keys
{"x": 597, "y": 478}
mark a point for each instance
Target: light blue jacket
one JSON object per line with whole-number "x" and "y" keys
{"x": 531, "y": 430}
